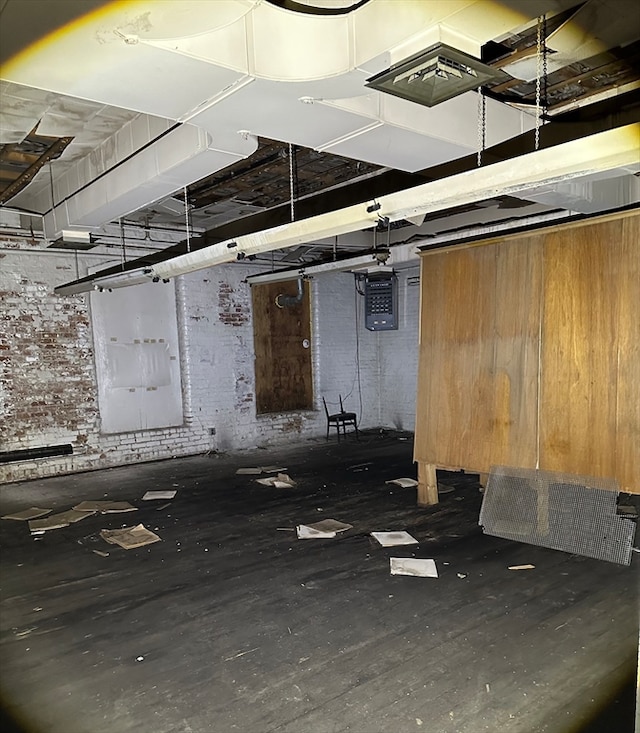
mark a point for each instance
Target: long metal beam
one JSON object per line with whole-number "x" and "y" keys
{"x": 605, "y": 151}
{"x": 579, "y": 124}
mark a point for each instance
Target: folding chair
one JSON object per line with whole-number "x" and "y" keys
{"x": 340, "y": 419}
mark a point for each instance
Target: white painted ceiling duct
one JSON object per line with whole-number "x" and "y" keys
{"x": 237, "y": 69}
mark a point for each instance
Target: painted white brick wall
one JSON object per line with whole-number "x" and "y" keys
{"x": 47, "y": 376}
{"x": 398, "y": 352}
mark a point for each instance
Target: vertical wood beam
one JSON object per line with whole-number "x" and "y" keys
{"x": 427, "y": 484}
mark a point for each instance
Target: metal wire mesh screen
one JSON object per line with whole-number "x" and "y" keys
{"x": 576, "y": 514}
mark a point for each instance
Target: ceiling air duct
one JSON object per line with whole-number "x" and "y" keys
{"x": 435, "y": 75}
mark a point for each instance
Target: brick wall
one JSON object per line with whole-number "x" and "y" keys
{"x": 47, "y": 377}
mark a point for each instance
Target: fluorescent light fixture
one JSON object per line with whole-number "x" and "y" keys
{"x": 434, "y": 75}
{"x": 108, "y": 282}
{"x": 123, "y": 279}
{"x": 353, "y": 263}
{"x": 73, "y": 239}
{"x": 586, "y": 156}
{"x": 333, "y": 223}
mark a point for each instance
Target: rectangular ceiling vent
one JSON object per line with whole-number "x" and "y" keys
{"x": 435, "y": 75}
{"x": 72, "y": 239}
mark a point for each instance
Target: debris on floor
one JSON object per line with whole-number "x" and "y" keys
{"x": 257, "y": 470}
{"x": 168, "y": 494}
{"x": 325, "y": 529}
{"x": 420, "y": 567}
{"x": 280, "y": 481}
{"x": 405, "y": 483}
{"x": 105, "y": 507}
{"x": 521, "y": 567}
{"x": 361, "y": 466}
{"x": 58, "y": 521}
{"x": 26, "y": 514}
{"x": 130, "y": 537}
{"x": 391, "y": 539}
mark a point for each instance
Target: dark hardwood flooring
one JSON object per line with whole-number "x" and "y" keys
{"x": 230, "y": 624}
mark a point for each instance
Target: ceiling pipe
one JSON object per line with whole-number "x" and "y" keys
{"x": 289, "y": 301}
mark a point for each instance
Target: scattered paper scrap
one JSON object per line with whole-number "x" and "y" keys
{"x": 405, "y": 483}
{"x": 280, "y": 481}
{"x": 26, "y": 514}
{"x": 308, "y": 533}
{"x": 101, "y": 553}
{"x": 391, "y": 539}
{"x": 130, "y": 537}
{"x": 159, "y": 495}
{"x": 105, "y": 507}
{"x": 330, "y": 525}
{"x": 325, "y": 529}
{"x": 521, "y": 567}
{"x": 57, "y": 521}
{"x": 249, "y": 471}
{"x": 273, "y": 469}
{"x": 420, "y": 567}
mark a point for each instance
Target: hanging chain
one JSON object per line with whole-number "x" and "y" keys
{"x": 538, "y": 80}
{"x": 186, "y": 219}
{"x": 123, "y": 251}
{"x": 544, "y": 63}
{"x": 53, "y": 201}
{"x": 482, "y": 124}
{"x": 291, "y": 183}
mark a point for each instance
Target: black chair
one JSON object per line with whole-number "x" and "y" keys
{"x": 340, "y": 420}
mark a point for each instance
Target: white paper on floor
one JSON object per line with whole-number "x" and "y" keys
{"x": 58, "y": 521}
{"x": 105, "y": 507}
{"x": 33, "y": 513}
{"x": 405, "y": 483}
{"x": 257, "y": 470}
{"x": 159, "y": 495}
{"x": 391, "y": 539}
{"x": 420, "y": 567}
{"x": 280, "y": 481}
{"x": 326, "y": 529}
{"x": 130, "y": 537}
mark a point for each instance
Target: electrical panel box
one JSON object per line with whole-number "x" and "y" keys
{"x": 381, "y": 302}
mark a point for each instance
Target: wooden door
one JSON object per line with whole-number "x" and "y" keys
{"x": 282, "y": 338}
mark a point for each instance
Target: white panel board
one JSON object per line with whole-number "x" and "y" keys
{"x": 135, "y": 335}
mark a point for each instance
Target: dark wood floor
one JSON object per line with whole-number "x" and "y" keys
{"x": 229, "y": 624}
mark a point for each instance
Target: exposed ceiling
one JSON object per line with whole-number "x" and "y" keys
{"x": 257, "y": 113}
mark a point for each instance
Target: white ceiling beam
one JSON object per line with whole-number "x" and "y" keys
{"x": 587, "y": 156}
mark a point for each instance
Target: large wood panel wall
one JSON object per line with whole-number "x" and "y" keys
{"x": 530, "y": 354}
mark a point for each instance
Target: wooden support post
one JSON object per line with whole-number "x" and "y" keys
{"x": 427, "y": 484}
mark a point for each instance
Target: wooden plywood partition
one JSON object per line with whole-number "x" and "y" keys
{"x": 529, "y": 353}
